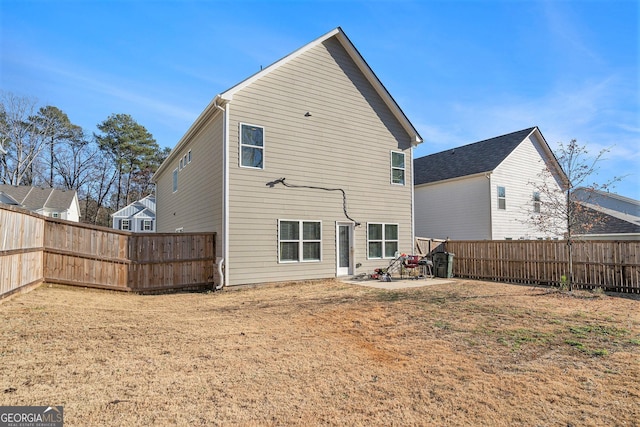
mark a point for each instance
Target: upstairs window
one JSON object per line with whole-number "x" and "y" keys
{"x": 502, "y": 198}
{"x": 397, "y": 168}
{"x": 147, "y": 225}
{"x": 251, "y": 146}
{"x": 125, "y": 225}
{"x": 536, "y": 202}
{"x": 382, "y": 240}
{"x": 175, "y": 180}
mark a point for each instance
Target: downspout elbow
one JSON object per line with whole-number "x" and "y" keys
{"x": 220, "y": 262}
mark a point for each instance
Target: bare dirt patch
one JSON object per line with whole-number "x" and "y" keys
{"x": 466, "y": 353}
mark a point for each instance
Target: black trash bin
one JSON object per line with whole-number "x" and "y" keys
{"x": 443, "y": 264}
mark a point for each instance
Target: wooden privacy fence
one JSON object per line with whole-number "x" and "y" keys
{"x": 34, "y": 249}
{"x": 611, "y": 265}
{"x": 21, "y": 242}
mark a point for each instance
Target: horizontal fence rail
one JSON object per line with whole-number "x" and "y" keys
{"x": 21, "y": 245}
{"x": 611, "y": 265}
{"x": 34, "y": 249}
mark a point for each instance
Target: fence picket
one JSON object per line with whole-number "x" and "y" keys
{"x": 610, "y": 265}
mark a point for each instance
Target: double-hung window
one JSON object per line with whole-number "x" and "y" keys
{"x": 147, "y": 225}
{"x": 536, "y": 202}
{"x": 397, "y": 168}
{"x": 125, "y": 225}
{"x": 251, "y": 146}
{"x": 502, "y": 198}
{"x": 175, "y": 180}
{"x": 299, "y": 240}
{"x": 382, "y": 240}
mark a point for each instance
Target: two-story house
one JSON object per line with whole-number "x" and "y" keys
{"x": 486, "y": 190}
{"x": 304, "y": 170}
{"x": 137, "y": 217}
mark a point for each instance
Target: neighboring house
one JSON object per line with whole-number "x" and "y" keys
{"x": 49, "y": 202}
{"x": 321, "y": 120}
{"x": 138, "y": 217}
{"x": 607, "y": 216}
{"x": 485, "y": 190}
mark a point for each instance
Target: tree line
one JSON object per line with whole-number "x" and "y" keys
{"x": 109, "y": 168}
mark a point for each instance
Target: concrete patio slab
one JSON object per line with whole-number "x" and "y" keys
{"x": 398, "y": 283}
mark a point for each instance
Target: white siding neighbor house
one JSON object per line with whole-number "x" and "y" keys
{"x": 484, "y": 190}
{"x": 137, "y": 217}
{"x": 49, "y": 202}
{"x": 304, "y": 170}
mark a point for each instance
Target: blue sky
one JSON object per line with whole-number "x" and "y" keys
{"x": 462, "y": 71}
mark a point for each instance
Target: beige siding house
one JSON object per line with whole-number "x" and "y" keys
{"x": 304, "y": 170}
{"x": 484, "y": 190}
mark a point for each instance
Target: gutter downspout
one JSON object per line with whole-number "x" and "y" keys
{"x": 413, "y": 207}
{"x": 488, "y": 176}
{"x": 225, "y": 196}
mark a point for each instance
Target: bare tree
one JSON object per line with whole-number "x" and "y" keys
{"x": 21, "y": 137}
{"x": 557, "y": 213}
{"x": 56, "y": 128}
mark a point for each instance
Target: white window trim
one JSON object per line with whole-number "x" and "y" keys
{"x": 537, "y": 204}
{"x": 122, "y": 225}
{"x": 404, "y": 167}
{"x": 189, "y": 156}
{"x": 383, "y": 240}
{"x": 300, "y": 241}
{"x": 148, "y": 222}
{"x": 174, "y": 178}
{"x": 498, "y": 187}
{"x": 263, "y": 148}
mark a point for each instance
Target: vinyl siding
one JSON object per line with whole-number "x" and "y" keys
{"x": 197, "y": 205}
{"x": 457, "y": 209}
{"x": 346, "y": 143}
{"x": 519, "y": 173}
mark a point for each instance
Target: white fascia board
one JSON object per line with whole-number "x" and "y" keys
{"x": 360, "y": 62}
{"x": 228, "y": 94}
{"x": 208, "y": 112}
{"x": 550, "y": 156}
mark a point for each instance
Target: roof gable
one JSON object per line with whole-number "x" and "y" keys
{"x": 147, "y": 203}
{"x": 339, "y": 34}
{"x": 217, "y": 103}
{"x": 472, "y": 159}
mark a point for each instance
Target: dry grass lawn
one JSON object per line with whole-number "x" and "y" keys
{"x": 325, "y": 353}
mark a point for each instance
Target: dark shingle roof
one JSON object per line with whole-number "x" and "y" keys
{"x": 599, "y": 221}
{"x": 482, "y": 156}
{"x": 34, "y": 198}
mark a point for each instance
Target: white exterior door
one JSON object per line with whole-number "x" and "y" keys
{"x": 344, "y": 248}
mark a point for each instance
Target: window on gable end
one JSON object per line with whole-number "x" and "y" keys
{"x": 536, "y": 202}
{"x": 502, "y": 198}
{"x": 397, "y": 168}
{"x": 251, "y": 146}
